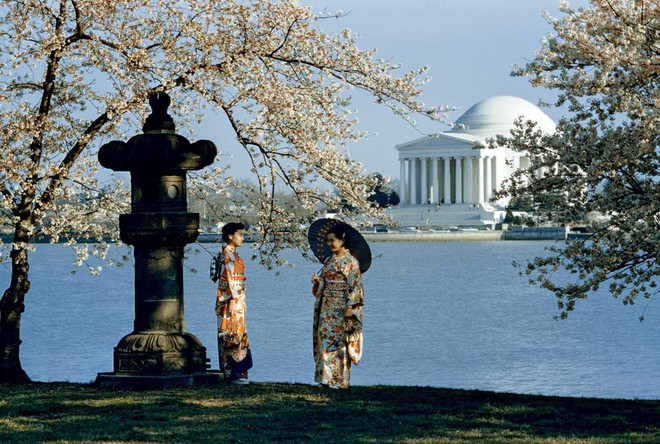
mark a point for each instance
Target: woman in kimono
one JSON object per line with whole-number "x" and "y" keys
{"x": 337, "y": 325}
{"x": 233, "y": 343}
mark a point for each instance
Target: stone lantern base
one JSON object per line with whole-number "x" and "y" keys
{"x": 145, "y": 360}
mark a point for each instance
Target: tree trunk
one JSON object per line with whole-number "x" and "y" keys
{"x": 11, "y": 309}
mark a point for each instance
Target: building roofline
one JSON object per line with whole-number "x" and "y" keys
{"x": 464, "y": 138}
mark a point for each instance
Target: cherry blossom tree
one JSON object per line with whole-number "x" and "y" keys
{"x": 75, "y": 74}
{"x": 604, "y": 61}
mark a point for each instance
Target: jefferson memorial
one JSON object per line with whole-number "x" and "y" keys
{"x": 444, "y": 180}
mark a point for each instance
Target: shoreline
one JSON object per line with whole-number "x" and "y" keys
{"x": 427, "y": 236}
{"x": 514, "y": 234}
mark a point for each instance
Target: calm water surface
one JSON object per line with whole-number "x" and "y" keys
{"x": 449, "y": 314}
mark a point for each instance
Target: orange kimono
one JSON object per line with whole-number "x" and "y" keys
{"x": 337, "y": 341}
{"x": 233, "y": 343}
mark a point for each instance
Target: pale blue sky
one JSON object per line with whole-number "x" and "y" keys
{"x": 469, "y": 46}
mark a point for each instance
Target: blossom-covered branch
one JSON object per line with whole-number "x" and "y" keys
{"x": 603, "y": 161}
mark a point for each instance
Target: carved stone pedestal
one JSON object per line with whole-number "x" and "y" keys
{"x": 146, "y": 360}
{"x": 159, "y": 353}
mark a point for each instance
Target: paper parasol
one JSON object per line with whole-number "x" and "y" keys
{"x": 357, "y": 245}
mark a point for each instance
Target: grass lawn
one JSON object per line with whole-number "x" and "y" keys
{"x": 266, "y": 412}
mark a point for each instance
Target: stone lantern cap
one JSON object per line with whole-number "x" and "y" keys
{"x": 159, "y": 150}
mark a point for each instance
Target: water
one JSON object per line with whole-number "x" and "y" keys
{"x": 445, "y": 314}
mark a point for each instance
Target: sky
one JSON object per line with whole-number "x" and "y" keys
{"x": 468, "y": 45}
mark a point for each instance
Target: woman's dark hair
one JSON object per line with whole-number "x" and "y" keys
{"x": 231, "y": 228}
{"x": 340, "y": 233}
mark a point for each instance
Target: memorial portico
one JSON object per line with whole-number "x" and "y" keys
{"x": 447, "y": 179}
{"x": 445, "y": 168}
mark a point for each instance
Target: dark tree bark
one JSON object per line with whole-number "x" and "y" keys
{"x": 12, "y": 306}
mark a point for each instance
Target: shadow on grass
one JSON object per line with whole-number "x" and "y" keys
{"x": 299, "y": 413}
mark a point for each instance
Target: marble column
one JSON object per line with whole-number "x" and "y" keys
{"x": 402, "y": 181}
{"x": 447, "y": 193}
{"x": 434, "y": 181}
{"x": 409, "y": 181}
{"x": 480, "y": 180}
{"x": 424, "y": 179}
{"x": 459, "y": 180}
{"x": 469, "y": 198}
{"x": 489, "y": 178}
{"x": 413, "y": 181}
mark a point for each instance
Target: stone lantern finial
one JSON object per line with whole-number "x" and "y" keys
{"x": 159, "y": 120}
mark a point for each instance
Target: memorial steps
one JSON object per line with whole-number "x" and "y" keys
{"x": 458, "y": 215}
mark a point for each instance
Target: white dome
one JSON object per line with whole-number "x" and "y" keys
{"x": 496, "y": 115}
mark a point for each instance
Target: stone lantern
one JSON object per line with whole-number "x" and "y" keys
{"x": 159, "y": 352}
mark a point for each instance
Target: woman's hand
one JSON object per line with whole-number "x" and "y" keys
{"x": 348, "y": 312}
{"x": 315, "y": 284}
{"x": 220, "y": 304}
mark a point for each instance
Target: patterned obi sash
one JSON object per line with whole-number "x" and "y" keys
{"x": 239, "y": 280}
{"x": 339, "y": 286}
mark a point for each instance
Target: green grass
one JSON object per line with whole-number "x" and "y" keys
{"x": 263, "y": 412}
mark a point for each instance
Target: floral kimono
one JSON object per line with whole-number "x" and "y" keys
{"x": 338, "y": 341}
{"x": 233, "y": 343}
